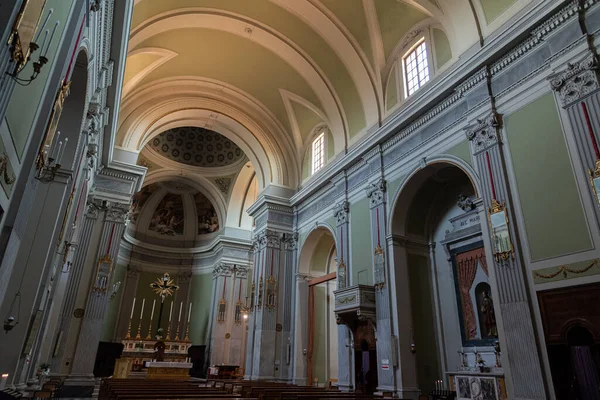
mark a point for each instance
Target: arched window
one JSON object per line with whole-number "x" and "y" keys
{"x": 416, "y": 67}
{"x": 318, "y": 152}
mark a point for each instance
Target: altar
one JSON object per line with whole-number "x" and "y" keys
{"x": 169, "y": 370}
{"x": 472, "y": 384}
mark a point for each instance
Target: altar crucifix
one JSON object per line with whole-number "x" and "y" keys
{"x": 163, "y": 287}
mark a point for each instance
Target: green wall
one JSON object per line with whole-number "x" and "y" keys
{"x": 462, "y": 151}
{"x": 200, "y": 294}
{"x": 360, "y": 240}
{"x": 112, "y": 312}
{"x": 554, "y": 219}
{"x": 318, "y": 262}
{"x": 428, "y": 368}
{"x": 391, "y": 91}
{"x": 493, "y": 8}
{"x": 25, "y": 100}
{"x": 144, "y": 291}
{"x": 443, "y": 53}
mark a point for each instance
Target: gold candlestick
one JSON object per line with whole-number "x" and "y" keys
{"x": 128, "y": 336}
{"x": 177, "y": 334}
{"x": 168, "y": 332}
{"x": 139, "y": 330}
{"x": 187, "y": 333}
{"x": 149, "y": 336}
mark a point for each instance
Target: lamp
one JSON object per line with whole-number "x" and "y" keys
{"x": 114, "y": 290}
{"x": 51, "y": 159}
{"x": 24, "y": 42}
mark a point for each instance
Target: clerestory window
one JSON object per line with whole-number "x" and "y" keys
{"x": 416, "y": 67}
{"x": 318, "y": 152}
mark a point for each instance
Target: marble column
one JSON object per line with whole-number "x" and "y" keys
{"x": 386, "y": 340}
{"x": 284, "y": 370}
{"x": 66, "y": 317}
{"x": 31, "y": 264}
{"x": 97, "y": 299}
{"x": 341, "y": 212}
{"x": 577, "y": 89}
{"x": 510, "y": 291}
{"x": 265, "y": 339}
{"x": 252, "y": 316}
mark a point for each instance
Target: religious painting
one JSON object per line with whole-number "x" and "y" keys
{"x": 464, "y": 388}
{"x": 473, "y": 296}
{"x": 208, "y": 221}
{"x": 168, "y": 216}
{"x": 488, "y": 389}
{"x": 140, "y": 199}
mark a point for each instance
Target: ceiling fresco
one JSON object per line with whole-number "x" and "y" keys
{"x": 198, "y": 147}
{"x": 168, "y": 218}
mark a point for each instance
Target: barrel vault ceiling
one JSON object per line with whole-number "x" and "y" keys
{"x": 267, "y": 73}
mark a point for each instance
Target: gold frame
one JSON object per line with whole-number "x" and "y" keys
{"x": 237, "y": 317}
{"x": 19, "y": 53}
{"x": 595, "y": 174}
{"x": 379, "y": 252}
{"x": 104, "y": 260}
{"x": 271, "y": 285}
{"x": 223, "y": 303}
{"x": 59, "y": 102}
{"x": 495, "y": 209}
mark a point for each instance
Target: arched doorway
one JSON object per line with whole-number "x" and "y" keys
{"x": 441, "y": 273}
{"x": 318, "y": 263}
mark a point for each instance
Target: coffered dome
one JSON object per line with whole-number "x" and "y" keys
{"x": 198, "y": 147}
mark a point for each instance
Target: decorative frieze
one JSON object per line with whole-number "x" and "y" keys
{"x": 341, "y": 212}
{"x": 484, "y": 133}
{"x": 577, "y": 81}
{"x": 376, "y": 192}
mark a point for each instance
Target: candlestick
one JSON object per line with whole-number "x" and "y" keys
{"x": 169, "y": 326}
{"x": 44, "y": 25}
{"x": 149, "y": 336}
{"x": 142, "y": 312}
{"x": 45, "y": 38}
{"x": 132, "y": 307}
{"x": 187, "y": 334}
{"x": 61, "y": 153}
{"x": 51, "y": 37}
{"x": 180, "y": 307}
{"x": 128, "y": 336}
{"x": 171, "y": 312}
{"x": 190, "y": 312}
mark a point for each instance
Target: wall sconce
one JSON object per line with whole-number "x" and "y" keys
{"x": 10, "y": 321}
{"x": 51, "y": 158}
{"x": 23, "y": 43}
{"x": 501, "y": 242}
{"x": 114, "y": 290}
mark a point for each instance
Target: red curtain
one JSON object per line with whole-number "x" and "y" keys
{"x": 467, "y": 269}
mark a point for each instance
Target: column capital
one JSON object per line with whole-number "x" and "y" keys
{"x": 376, "y": 192}
{"x": 270, "y": 238}
{"x": 223, "y": 269}
{"x": 290, "y": 240}
{"x": 241, "y": 271}
{"x": 577, "y": 81}
{"x": 184, "y": 277}
{"x": 133, "y": 271}
{"x": 484, "y": 133}
{"x": 117, "y": 213}
{"x": 341, "y": 212}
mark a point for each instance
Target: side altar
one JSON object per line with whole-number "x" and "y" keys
{"x": 141, "y": 351}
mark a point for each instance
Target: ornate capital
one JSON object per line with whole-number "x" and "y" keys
{"x": 341, "y": 211}
{"x": 577, "y": 81}
{"x": 92, "y": 209}
{"x": 184, "y": 277}
{"x": 223, "y": 269}
{"x": 241, "y": 271}
{"x": 290, "y": 240}
{"x": 376, "y": 192}
{"x": 269, "y": 238}
{"x": 484, "y": 132}
{"x": 132, "y": 271}
{"x": 118, "y": 213}
{"x": 93, "y": 119}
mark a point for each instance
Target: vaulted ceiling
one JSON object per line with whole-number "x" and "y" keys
{"x": 269, "y": 74}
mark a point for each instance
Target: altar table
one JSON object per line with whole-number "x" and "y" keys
{"x": 169, "y": 370}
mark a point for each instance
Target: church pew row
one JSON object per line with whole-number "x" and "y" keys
{"x": 122, "y": 389}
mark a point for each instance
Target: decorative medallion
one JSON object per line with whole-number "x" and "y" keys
{"x": 78, "y": 313}
{"x": 278, "y": 327}
{"x": 227, "y": 335}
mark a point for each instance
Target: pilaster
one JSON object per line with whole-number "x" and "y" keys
{"x": 517, "y": 335}
{"x": 341, "y": 212}
{"x": 103, "y": 263}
